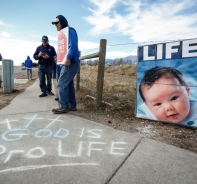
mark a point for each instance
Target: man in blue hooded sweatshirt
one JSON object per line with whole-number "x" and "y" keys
{"x": 69, "y": 69}
{"x": 28, "y": 65}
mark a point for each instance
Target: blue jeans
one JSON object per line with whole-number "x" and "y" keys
{"x": 29, "y": 73}
{"x": 66, "y": 86}
{"x": 58, "y": 69}
{"x": 45, "y": 72}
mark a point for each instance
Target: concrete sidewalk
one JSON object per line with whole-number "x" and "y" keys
{"x": 38, "y": 147}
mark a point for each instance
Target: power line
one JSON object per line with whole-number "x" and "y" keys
{"x": 139, "y": 43}
{"x": 134, "y": 43}
{"x": 90, "y": 50}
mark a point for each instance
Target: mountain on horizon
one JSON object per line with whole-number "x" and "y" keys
{"x": 125, "y": 60}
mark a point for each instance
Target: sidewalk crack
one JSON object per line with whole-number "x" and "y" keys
{"x": 120, "y": 166}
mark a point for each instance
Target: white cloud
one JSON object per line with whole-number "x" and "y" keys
{"x": 5, "y": 34}
{"x": 100, "y": 17}
{"x": 83, "y": 45}
{"x": 103, "y": 6}
{"x": 114, "y": 55}
{"x": 18, "y": 50}
{"x": 164, "y": 23}
{"x": 2, "y": 23}
{"x": 87, "y": 48}
{"x": 144, "y": 20}
{"x": 50, "y": 37}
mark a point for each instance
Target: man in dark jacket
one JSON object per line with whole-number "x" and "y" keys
{"x": 28, "y": 65}
{"x": 69, "y": 69}
{"x": 45, "y": 54}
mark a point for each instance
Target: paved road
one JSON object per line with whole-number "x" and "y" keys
{"x": 17, "y": 69}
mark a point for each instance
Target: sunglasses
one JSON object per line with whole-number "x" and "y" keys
{"x": 56, "y": 22}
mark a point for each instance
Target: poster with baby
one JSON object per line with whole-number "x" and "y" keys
{"x": 167, "y": 82}
{"x": 62, "y": 45}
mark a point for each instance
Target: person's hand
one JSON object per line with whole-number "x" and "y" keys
{"x": 67, "y": 62}
{"x": 45, "y": 56}
{"x": 40, "y": 54}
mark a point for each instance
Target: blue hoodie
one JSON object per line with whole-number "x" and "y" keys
{"x": 73, "y": 51}
{"x": 28, "y": 62}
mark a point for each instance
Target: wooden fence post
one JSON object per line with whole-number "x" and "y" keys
{"x": 101, "y": 68}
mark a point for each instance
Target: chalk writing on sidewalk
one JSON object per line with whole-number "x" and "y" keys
{"x": 35, "y": 138}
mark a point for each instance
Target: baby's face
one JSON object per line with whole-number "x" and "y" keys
{"x": 167, "y": 100}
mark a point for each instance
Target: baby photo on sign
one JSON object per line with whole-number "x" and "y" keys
{"x": 167, "y": 82}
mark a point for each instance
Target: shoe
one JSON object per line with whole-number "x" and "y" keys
{"x": 57, "y": 99}
{"x": 50, "y": 93}
{"x": 72, "y": 109}
{"x": 60, "y": 111}
{"x": 43, "y": 95}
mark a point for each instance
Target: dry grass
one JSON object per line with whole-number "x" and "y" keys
{"x": 119, "y": 88}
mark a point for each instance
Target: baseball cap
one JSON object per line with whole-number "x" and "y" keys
{"x": 45, "y": 39}
{"x": 55, "y": 21}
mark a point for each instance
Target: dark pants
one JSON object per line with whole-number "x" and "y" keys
{"x": 45, "y": 73}
{"x": 54, "y": 70}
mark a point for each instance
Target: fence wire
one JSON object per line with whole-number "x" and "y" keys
{"x": 119, "y": 80}
{"x": 119, "y": 83}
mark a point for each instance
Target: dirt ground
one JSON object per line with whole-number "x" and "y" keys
{"x": 179, "y": 136}
{"x": 5, "y": 99}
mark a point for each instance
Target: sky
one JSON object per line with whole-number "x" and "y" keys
{"x": 125, "y": 24}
